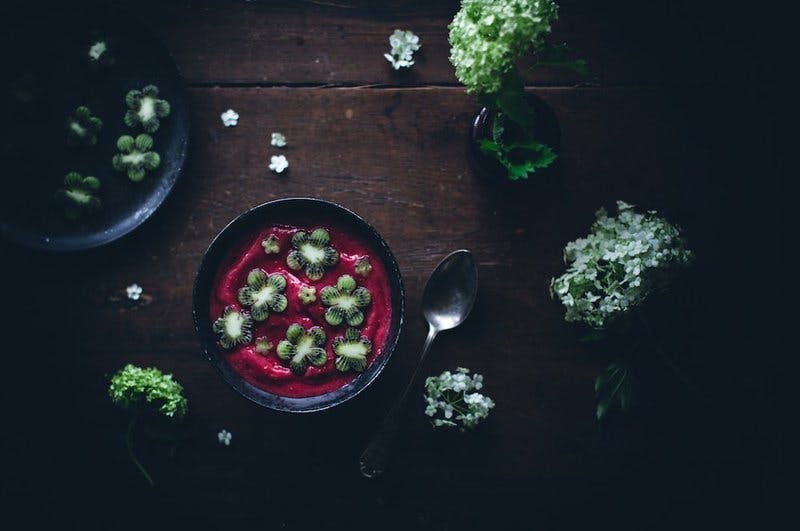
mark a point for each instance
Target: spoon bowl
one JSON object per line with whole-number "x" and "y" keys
{"x": 451, "y": 291}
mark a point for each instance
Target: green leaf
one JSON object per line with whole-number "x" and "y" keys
{"x": 614, "y": 388}
{"x": 514, "y": 104}
{"x": 489, "y": 147}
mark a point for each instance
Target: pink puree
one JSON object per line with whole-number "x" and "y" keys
{"x": 268, "y": 372}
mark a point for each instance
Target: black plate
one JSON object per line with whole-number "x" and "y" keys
{"x": 293, "y": 211}
{"x": 45, "y": 75}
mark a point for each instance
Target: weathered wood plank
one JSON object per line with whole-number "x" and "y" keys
{"x": 343, "y": 42}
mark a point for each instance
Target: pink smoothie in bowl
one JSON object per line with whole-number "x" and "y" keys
{"x": 298, "y": 303}
{"x": 266, "y": 370}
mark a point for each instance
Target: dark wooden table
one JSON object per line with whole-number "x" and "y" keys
{"x": 680, "y": 118}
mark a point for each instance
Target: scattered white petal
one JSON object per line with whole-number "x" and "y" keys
{"x": 404, "y": 44}
{"x": 224, "y": 437}
{"x": 134, "y": 291}
{"x": 230, "y": 118}
{"x": 278, "y": 140}
{"x": 278, "y": 163}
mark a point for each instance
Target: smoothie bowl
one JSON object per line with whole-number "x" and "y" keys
{"x": 299, "y": 304}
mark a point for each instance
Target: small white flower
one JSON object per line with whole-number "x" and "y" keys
{"x": 97, "y": 50}
{"x": 134, "y": 291}
{"x": 404, "y": 44}
{"x": 230, "y": 118}
{"x": 278, "y": 163}
{"x": 278, "y": 140}
{"x": 224, "y": 437}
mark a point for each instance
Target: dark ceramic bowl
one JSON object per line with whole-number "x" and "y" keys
{"x": 290, "y": 211}
{"x": 51, "y": 66}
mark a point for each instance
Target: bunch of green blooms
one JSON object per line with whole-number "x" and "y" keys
{"x": 486, "y": 38}
{"x": 146, "y": 390}
{"x": 453, "y": 400}
{"x": 615, "y": 267}
{"x": 133, "y": 387}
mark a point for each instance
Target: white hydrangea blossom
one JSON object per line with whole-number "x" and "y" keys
{"x": 452, "y": 399}
{"x": 230, "y": 118}
{"x": 487, "y": 36}
{"x": 278, "y": 140}
{"x": 278, "y": 163}
{"x": 134, "y": 292}
{"x": 404, "y": 44}
{"x": 224, "y": 437}
{"x": 618, "y": 264}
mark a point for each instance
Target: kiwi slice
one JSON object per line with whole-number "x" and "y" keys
{"x": 83, "y": 127}
{"x": 363, "y": 267}
{"x": 79, "y": 195}
{"x": 345, "y": 301}
{"x": 351, "y": 351}
{"x": 235, "y": 327}
{"x": 307, "y": 294}
{"x": 312, "y": 252}
{"x": 263, "y": 293}
{"x": 145, "y": 109}
{"x": 302, "y": 348}
{"x": 271, "y": 244}
{"x": 263, "y": 345}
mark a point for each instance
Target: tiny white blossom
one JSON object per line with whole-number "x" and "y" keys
{"x": 404, "y": 44}
{"x": 278, "y": 140}
{"x": 224, "y": 437}
{"x": 134, "y": 291}
{"x": 97, "y": 50}
{"x": 278, "y": 163}
{"x": 230, "y": 118}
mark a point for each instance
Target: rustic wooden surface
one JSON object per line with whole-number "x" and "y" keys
{"x": 672, "y": 124}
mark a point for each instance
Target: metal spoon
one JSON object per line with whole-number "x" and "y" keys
{"x": 447, "y": 300}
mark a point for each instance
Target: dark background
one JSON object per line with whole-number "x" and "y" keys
{"x": 683, "y": 117}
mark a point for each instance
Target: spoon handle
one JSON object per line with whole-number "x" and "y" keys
{"x": 373, "y": 460}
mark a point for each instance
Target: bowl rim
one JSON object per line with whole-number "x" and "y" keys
{"x": 203, "y": 284}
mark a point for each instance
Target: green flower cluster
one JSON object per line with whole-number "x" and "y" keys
{"x": 487, "y": 36}
{"x": 133, "y": 386}
{"x": 616, "y": 266}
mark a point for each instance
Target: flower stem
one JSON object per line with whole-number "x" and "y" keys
{"x": 129, "y": 446}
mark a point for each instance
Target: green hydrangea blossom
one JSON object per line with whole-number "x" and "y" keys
{"x": 615, "y": 267}
{"x": 487, "y": 36}
{"x": 134, "y": 386}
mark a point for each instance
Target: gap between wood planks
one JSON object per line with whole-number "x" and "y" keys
{"x": 417, "y": 86}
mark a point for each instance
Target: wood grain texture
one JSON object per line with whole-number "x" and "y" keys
{"x": 343, "y": 42}
{"x": 398, "y": 157}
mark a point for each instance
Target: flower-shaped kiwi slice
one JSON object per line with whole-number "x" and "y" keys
{"x": 235, "y": 327}
{"x": 145, "y": 108}
{"x": 263, "y": 293}
{"x": 345, "y": 301}
{"x": 351, "y": 351}
{"x": 302, "y": 348}
{"x": 79, "y": 195}
{"x": 312, "y": 252}
{"x": 83, "y": 127}
{"x": 135, "y": 156}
